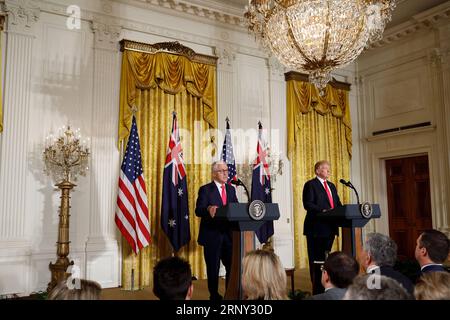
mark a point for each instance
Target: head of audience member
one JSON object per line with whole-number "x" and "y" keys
{"x": 378, "y": 250}
{"x": 433, "y": 286}
{"x": 432, "y": 246}
{"x": 322, "y": 169}
{"x": 219, "y": 172}
{"x": 172, "y": 279}
{"x": 339, "y": 270}
{"x": 263, "y": 276}
{"x": 376, "y": 287}
{"x": 80, "y": 289}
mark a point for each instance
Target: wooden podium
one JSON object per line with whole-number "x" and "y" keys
{"x": 351, "y": 218}
{"x": 243, "y": 227}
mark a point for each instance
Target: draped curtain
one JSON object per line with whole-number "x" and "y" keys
{"x": 319, "y": 128}
{"x": 158, "y": 84}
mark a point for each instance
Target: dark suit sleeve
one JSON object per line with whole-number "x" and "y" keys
{"x": 201, "y": 207}
{"x": 232, "y": 195}
{"x": 309, "y": 202}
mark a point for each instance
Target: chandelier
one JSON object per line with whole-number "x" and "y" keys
{"x": 317, "y": 36}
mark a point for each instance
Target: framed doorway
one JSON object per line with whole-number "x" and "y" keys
{"x": 409, "y": 201}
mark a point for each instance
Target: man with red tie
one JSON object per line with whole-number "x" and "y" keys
{"x": 319, "y": 195}
{"x": 215, "y": 235}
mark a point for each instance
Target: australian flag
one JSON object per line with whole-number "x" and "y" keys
{"x": 261, "y": 189}
{"x": 228, "y": 155}
{"x": 174, "y": 208}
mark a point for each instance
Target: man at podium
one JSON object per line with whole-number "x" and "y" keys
{"x": 215, "y": 235}
{"x": 319, "y": 195}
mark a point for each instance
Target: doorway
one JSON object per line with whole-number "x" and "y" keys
{"x": 409, "y": 201}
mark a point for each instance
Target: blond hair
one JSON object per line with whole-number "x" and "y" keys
{"x": 263, "y": 276}
{"x": 88, "y": 290}
{"x": 433, "y": 286}
{"x": 320, "y": 163}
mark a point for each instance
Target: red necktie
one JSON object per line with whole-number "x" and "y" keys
{"x": 224, "y": 195}
{"x": 330, "y": 198}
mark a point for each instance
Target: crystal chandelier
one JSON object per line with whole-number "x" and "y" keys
{"x": 317, "y": 36}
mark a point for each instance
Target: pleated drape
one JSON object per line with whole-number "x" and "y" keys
{"x": 319, "y": 128}
{"x": 158, "y": 84}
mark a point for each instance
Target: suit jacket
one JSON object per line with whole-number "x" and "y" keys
{"x": 315, "y": 199}
{"x": 399, "y": 277}
{"x": 433, "y": 268}
{"x": 211, "y": 229}
{"x": 331, "y": 294}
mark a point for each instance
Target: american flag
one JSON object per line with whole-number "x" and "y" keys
{"x": 228, "y": 155}
{"x": 132, "y": 212}
{"x": 261, "y": 189}
{"x": 175, "y": 206}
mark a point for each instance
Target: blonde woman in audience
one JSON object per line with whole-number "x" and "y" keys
{"x": 87, "y": 290}
{"x": 433, "y": 286}
{"x": 263, "y": 276}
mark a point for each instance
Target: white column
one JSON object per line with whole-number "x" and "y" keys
{"x": 102, "y": 250}
{"x": 283, "y": 239}
{"x": 14, "y": 247}
{"x": 440, "y": 61}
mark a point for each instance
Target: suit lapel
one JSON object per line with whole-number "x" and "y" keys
{"x": 215, "y": 193}
{"x": 322, "y": 187}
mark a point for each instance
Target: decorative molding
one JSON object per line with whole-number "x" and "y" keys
{"x": 226, "y": 55}
{"x": 424, "y": 20}
{"x": 217, "y": 13}
{"x": 276, "y": 69}
{"x": 169, "y": 47}
{"x": 106, "y": 36}
{"x": 22, "y": 15}
{"x": 435, "y": 57}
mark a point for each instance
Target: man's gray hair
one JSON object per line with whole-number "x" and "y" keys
{"x": 215, "y": 164}
{"x": 388, "y": 289}
{"x": 381, "y": 248}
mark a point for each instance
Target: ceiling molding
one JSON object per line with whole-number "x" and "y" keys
{"x": 424, "y": 20}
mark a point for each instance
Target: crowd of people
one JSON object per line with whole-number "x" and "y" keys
{"x": 342, "y": 276}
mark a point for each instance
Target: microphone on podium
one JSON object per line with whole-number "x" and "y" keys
{"x": 351, "y": 186}
{"x": 238, "y": 182}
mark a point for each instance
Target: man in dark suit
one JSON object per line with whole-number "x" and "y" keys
{"x": 378, "y": 256}
{"x": 338, "y": 273}
{"x": 319, "y": 195}
{"x": 432, "y": 250}
{"x": 215, "y": 235}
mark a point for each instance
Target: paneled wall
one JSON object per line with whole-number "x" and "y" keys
{"x": 403, "y": 84}
{"x": 56, "y": 75}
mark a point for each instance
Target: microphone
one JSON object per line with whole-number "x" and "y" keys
{"x": 350, "y": 185}
{"x": 237, "y": 182}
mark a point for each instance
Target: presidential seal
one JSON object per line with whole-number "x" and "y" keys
{"x": 257, "y": 210}
{"x": 366, "y": 210}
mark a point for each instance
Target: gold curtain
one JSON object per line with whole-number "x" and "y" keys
{"x": 157, "y": 84}
{"x": 318, "y": 128}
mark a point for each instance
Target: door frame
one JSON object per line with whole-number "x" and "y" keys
{"x": 380, "y": 187}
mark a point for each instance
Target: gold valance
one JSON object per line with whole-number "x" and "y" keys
{"x": 148, "y": 68}
{"x": 303, "y": 97}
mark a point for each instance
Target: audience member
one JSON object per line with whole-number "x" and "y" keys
{"x": 82, "y": 290}
{"x": 433, "y": 286}
{"x": 338, "y": 272}
{"x": 263, "y": 276}
{"x": 376, "y": 287}
{"x": 379, "y": 255}
{"x": 172, "y": 279}
{"x": 432, "y": 249}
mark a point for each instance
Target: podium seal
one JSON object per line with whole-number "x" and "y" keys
{"x": 366, "y": 210}
{"x": 257, "y": 210}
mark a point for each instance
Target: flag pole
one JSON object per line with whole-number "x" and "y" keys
{"x": 121, "y": 236}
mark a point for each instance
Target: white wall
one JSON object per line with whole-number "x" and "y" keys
{"x": 56, "y": 76}
{"x": 403, "y": 83}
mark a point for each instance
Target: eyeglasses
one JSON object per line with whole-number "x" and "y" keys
{"x": 222, "y": 171}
